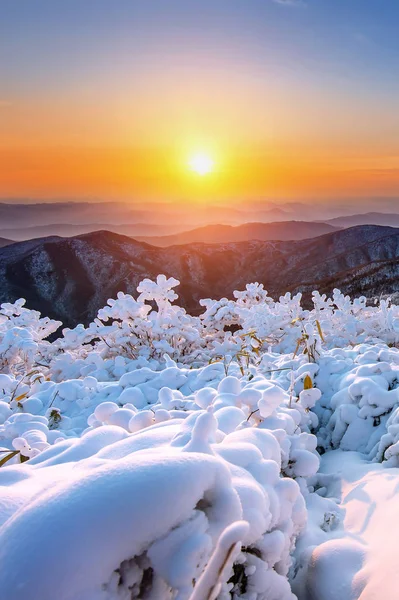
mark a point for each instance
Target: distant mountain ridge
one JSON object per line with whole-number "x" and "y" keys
{"x": 213, "y": 234}
{"x": 370, "y": 218}
{"x": 5, "y": 242}
{"x": 16, "y": 216}
{"x": 70, "y": 279}
{"x": 71, "y": 230}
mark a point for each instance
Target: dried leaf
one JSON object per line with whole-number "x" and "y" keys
{"x": 320, "y": 331}
{"x": 297, "y": 348}
{"x": 307, "y": 383}
{"x": 33, "y": 372}
{"x": 4, "y": 460}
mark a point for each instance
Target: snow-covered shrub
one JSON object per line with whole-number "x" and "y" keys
{"x": 152, "y": 432}
{"x": 22, "y": 335}
{"x": 357, "y": 410}
{"x": 229, "y": 448}
{"x": 217, "y": 447}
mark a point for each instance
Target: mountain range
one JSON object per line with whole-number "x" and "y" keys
{"x": 171, "y": 217}
{"x": 211, "y": 234}
{"x": 71, "y": 278}
{"x": 371, "y": 218}
{"x": 155, "y": 219}
{"x": 71, "y": 230}
{"x": 153, "y": 233}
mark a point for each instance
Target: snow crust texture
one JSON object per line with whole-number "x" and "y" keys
{"x": 158, "y": 455}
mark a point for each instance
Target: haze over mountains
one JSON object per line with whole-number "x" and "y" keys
{"x": 158, "y": 219}
{"x": 371, "y": 218}
{"x": 70, "y": 279}
{"x": 211, "y": 234}
{"x": 286, "y": 230}
{"x": 187, "y": 214}
{"x": 26, "y": 221}
{"x": 20, "y": 234}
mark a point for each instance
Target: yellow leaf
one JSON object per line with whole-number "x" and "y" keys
{"x": 320, "y": 331}
{"x": 307, "y": 383}
{"x": 21, "y": 397}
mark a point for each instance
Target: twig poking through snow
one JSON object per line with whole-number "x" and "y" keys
{"x": 228, "y": 546}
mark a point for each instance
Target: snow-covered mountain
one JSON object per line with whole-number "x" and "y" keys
{"x": 70, "y": 279}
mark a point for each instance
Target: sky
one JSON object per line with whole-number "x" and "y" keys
{"x": 110, "y": 99}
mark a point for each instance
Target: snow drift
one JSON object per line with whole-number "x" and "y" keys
{"x": 152, "y": 450}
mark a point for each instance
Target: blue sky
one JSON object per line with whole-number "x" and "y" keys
{"x": 44, "y": 41}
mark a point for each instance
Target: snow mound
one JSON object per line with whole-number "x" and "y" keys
{"x": 157, "y": 455}
{"x": 109, "y": 491}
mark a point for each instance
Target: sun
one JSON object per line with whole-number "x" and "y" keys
{"x": 201, "y": 163}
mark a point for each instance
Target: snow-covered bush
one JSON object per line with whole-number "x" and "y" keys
{"x": 130, "y": 333}
{"x": 22, "y": 335}
{"x": 161, "y": 438}
{"x": 217, "y": 450}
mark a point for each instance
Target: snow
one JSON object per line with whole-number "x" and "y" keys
{"x": 357, "y": 559}
{"x": 212, "y": 465}
{"x": 109, "y": 489}
{"x": 158, "y": 455}
{"x": 111, "y": 504}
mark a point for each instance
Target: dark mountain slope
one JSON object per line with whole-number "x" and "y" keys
{"x": 72, "y": 278}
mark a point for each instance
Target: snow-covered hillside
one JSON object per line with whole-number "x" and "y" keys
{"x": 70, "y": 279}
{"x": 249, "y": 453}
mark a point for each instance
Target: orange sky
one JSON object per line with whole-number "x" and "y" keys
{"x": 51, "y": 172}
{"x": 105, "y": 110}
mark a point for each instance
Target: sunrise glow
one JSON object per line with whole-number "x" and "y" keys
{"x": 201, "y": 164}
{"x": 226, "y": 127}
